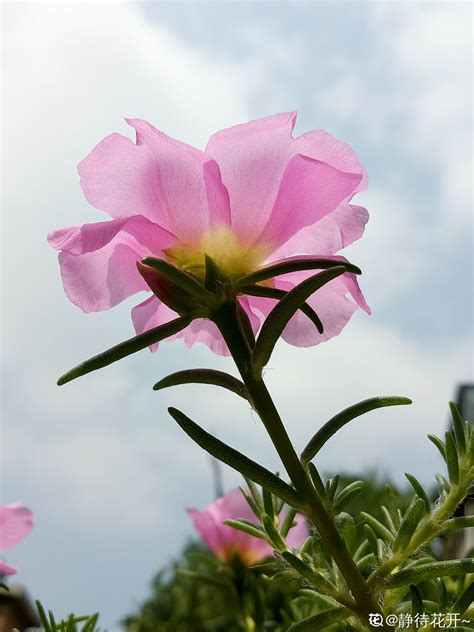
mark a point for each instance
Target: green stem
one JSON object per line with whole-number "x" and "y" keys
{"x": 227, "y": 320}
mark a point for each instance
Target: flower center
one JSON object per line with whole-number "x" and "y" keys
{"x": 230, "y": 255}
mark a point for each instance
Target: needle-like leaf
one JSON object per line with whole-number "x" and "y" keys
{"x": 424, "y": 572}
{"x": 236, "y": 460}
{"x": 283, "y": 311}
{"x": 273, "y": 292}
{"x": 458, "y": 427}
{"x": 321, "y": 620}
{"x": 344, "y": 417}
{"x": 126, "y": 348}
{"x": 294, "y": 264}
{"x": 203, "y": 376}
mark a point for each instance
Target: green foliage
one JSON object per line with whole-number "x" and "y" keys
{"x": 72, "y": 623}
{"x": 199, "y": 593}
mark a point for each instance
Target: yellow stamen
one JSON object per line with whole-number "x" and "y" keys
{"x": 232, "y": 257}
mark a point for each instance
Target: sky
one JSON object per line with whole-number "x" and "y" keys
{"x": 105, "y": 470}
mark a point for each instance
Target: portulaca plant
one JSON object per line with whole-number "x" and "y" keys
{"x": 238, "y": 246}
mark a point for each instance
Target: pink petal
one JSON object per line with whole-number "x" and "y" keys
{"x": 99, "y": 279}
{"x": 77, "y": 240}
{"x": 231, "y": 505}
{"x": 223, "y": 540}
{"x": 16, "y": 522}
{"x": 149, "y": 314}
{"x": 332, "y": 305}
{"x": 255, "y": 321}
{"x": 252, "y": 158}
{"x": 205, "y": 331}
{"x": 208, "y": 529}
{"x": 6, "y": 569}
{"x": 309, "y": 190}
{"x": 166, "y": 181}
{"x": 321, "y": 145}
{"x": 329, "y": 235}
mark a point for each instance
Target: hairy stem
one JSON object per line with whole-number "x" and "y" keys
{"x": 226, "y": 318}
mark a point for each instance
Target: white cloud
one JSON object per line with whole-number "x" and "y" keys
{"x": 415, "y": 89}
{"x": 91, "y": 470}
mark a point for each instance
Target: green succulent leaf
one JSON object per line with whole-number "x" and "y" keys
{"x": 425, "y": 572}
{"x": 465, "y": 600}
{"x": 458, "y": 427}
{"x": 52, "y": 620}
{"x": 273, "y": 533}
{"x": 305, "y": 570}
{"x": 236, "y": 460}
{"x": 347, "y": 526}
{"x": 452, "y": 459}
{"x": 416, "y": 600}
{"x": 43, "y": 617}
{"x": 321, "y": 620}
{"x": 463, "y": 522}
{"x": 316, "y": 479}
{"x": 273, "y": 292}
{"x": 371, "y": 538}
{"x": 255, "y": 494}
{"x": 296, "y": 264}
{"x": 246, "y": 527}
{"x": 389, "y": 519}
{"x": 347, "y": 495}
{"x": 288, "y": 522}
{"x": 366, "y": 561}
{"x": 268, "y": 503}
{"x": 379, "y": 528}
{"x": 91, "y": 623}
{"x": 410, "y": 521}
{"x": 442, "y": 595}
{"x": 392, "y": 502}
{"x": 417, "y": 486}
{"x": 203, "y": 376}
{"x": 251, "y": 502}
{"x": 126, "y": 348}
{"x": 439, "y": 444}
{"x": 331, "y": 486}
{"x": 341, "y": 419}
{"x": 282, "y": 313}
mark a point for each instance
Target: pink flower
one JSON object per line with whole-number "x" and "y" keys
{"x": 16, "y": 522}
{"x": 254, "y": 196}
{"x": 225, "y": 541}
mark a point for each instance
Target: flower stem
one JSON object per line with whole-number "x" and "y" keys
{"x": 226, "y": 318}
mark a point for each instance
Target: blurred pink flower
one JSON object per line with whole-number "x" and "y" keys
{"x": 225, "y": 541}
{"x": 254, "y": 196}
{"x": 16, "y": 522}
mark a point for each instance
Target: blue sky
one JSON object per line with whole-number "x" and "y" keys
{"x": 106, "y": 472}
